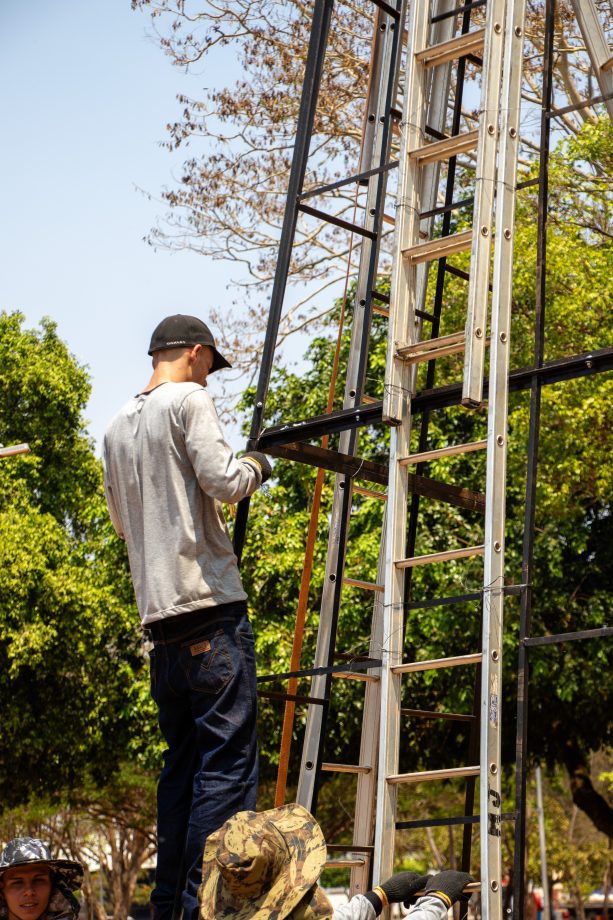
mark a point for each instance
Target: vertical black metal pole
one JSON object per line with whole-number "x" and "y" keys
{"x": 523, "y": 666}
{"x": 320, "y": 28}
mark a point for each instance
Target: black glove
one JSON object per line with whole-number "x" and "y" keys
{"x": 401, "y": 887}
{"x": 262, "y": 461}
{"x": 448, "y": 885}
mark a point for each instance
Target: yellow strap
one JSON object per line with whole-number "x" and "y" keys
{"x": 382, "y": 896}
{"x": 444, "y": 897}
{"x": 253, "y": 460}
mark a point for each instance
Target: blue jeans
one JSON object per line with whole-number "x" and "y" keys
{"x": 204, "y": 683}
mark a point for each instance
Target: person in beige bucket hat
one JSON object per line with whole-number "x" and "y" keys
{"x": 266, "y": 866}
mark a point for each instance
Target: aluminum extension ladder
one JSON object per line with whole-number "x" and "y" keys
{"x": 496, "y": 141}
{"x": 429, "y": 55}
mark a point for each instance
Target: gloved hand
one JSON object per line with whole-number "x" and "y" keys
{"x": 262, "y": 462}
{"x": 401, "y": 887}
{"x": 448, "y": 885}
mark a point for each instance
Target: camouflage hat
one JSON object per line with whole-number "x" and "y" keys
{"x": 313, "y": 906}
{"x": 66, "y": 874}
{"x": 21, "y": 851}
{"x": 260, "y": 866}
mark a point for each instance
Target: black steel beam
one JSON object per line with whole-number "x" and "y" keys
{"x": 583, "y": 365}
{"x": 599, "y": 633}
{"x": 579, "y": 105}
{"x": 448, "y": 822}
{"x": 337, "y": 221}
{"x": 315, "y": 672}
{"x": 318, "y": 40}
{"x": 458, "y": 10}
{"x": 358, "y": 177}
{"x": 359, "y": 468}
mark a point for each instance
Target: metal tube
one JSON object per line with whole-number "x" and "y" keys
{"x": 322, "y": 14}
{"x": 542, "y": 843}
{"x": 531, "y": 479}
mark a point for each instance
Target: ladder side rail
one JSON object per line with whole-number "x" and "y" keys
{"x": 391, "y": 655}
{"x": 363, "y": 829}
{"x": 388, "y": 59}
{"x": 493, "y": 575}
{"x": 318, "y": 40}
{"x": 400, "y": 379}
{"x": 399, "y": 382}
{"x": 477, "y": 307}
{"x": 385, "y": 86}
{"x": 597, "y": 46}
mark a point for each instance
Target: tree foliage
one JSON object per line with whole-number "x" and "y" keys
{"x": 72, "y": 675}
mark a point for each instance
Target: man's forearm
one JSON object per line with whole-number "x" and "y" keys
{"x": 359, "y": 908}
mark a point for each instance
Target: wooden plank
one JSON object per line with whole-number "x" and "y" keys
{"x": 458, "y": 496}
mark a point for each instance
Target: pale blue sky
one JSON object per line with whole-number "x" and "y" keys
{"x": 85, "y": 96}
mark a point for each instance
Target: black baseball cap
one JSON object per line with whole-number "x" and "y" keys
{"x": 180, "y": 330}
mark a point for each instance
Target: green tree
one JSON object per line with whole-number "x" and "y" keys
{"x": 72, "y": 674}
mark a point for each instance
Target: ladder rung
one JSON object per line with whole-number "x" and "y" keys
{"x": 429, "y": 349}
{"x": 442, "y": 150}
{"x": 429, "y": 775}
{"x": 440, "y": 557}
{"x": 382, "y": 311}
{"x": 344, "y": 768}
{"x": 447, "y": 716}
{"x": 370, "y": 493}
{"x": 457, "y": 47}
{"x": 355, "y": 675}
{"x": 449, "y": 451}
{"x": 439, "y": 248}
{"x": 432, "y": 344}
{"x": 388, "y": 219}
{"x": 608, "y": 65}
{"x": 436, "y": 663}
{"x": 14, "y": 449}
{"x": 369, "y": 400}
{"x": 366, "y": 585}
{"x": 344, "y": 863}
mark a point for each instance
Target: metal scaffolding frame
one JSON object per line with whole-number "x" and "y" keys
{"x": 289, "y": 440}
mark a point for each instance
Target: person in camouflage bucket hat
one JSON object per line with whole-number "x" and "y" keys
{"x": 266, "y": 867}
{"x": 35, "y": 886}
{"x": 259, "y": 866}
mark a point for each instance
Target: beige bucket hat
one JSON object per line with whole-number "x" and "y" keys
{"x": 260, "y": 866}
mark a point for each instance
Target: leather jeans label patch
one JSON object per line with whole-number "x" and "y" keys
{"x": 200, "y": 647}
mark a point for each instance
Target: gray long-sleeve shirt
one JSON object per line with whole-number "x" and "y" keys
{"x": 167, "y": 468}
{"x": 360, "y": 908}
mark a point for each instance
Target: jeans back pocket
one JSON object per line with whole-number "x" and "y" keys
{"x": 207, "y": 662}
